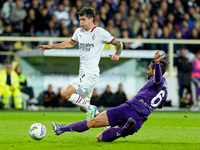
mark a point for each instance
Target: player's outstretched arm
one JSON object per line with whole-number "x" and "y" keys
{"x": 119, "y": 47}
{"x": 66, "y": 44}
{"x": 158, "y": 56}
{"x": 158, "y": 72}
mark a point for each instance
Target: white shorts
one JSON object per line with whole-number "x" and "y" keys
{"x": 84, "y": 85}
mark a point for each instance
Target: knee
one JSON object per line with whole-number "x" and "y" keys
{"x": 99, "y": 137}
{"x": 65, "y": 94}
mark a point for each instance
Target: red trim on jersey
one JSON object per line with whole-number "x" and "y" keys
{"x": 93, "y": 28}
{"x": 74, "y": 40}
{"x": 111, "y": 40}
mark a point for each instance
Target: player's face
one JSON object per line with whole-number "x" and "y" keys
{"x": 85, "y": 22}
{"x": 150, "y": 71}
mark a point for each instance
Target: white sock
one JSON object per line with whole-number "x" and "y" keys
{"x": 78, "y": 100}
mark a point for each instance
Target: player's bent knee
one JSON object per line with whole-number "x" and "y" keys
{"x": 99, "y": 137}
{"x": 65, "y": 94}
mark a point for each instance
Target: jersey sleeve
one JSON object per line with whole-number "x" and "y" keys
{"x": 75, "y": 35}
{"x": 158, "y": 74}
{"x": 106, "y": 36}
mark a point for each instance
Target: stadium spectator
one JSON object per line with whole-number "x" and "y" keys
{"x": 185, "y": 30}
{"x": 143, "y": 31}
{"x": 131, "y": 17}
{"x": 195, "y": 13}
{"x": 95, "y": 99}
{"x": 30, "y": 23}
{"x": 190, "y": 3}
{"x": 99, "y": 21}
{"x": 129, "y": 117}
{"x": 106, "y": 98}
{"x": 57, "y": 24}
{"x": 51, "y": 7}
{"x": 7, "y": 45}
{"x": 187, "y": 101}
{"x": 157, "y": 29}
{"x": 103, "y": 15}
{"x": 6, "y": 11}
{"x": 165, "y": 35}
{"x": 51, "y": 31}
{"x": 170, "y": 19}
{"x": 61, "y": 102}
{"x": 161, "y": 18}
{"x": 24, "y": 85}
{"x": 116, "y": 32}
{"x": 9, "y": 87}
{"x": 42, "y": 22}
{"x": 178, "y": 11}
{"x": 35, "y": 5}
{"x": 152, "y": 35}
{"x": 1, "y": 26}
{"x": 148, "y": 18}
{"x": 194, "y": 35}
{"x": 125, "y": 35}
{"x": 124, "y": 26}
{"x": 123, "y": 10}
{"x": 61, "y": 13}
{"x": 178, "y": 35}
{"x": 137, "y": 23}
{"x": 195, "y": 74}
{"x": 79, "y": 4}
{"x": 49, "y": 97}
{"x": 17, "y": 16}
{"x": 65, "y": 32}
{"x": 66, "y": 4}
{"x": 165, "y": 8}
{"x": 119, "y": 96}
{"x": 72, "y": 21}
{"x": 189, "y": 20}
{"x": 154, "y": 6}
{"x": 184, "y": 80}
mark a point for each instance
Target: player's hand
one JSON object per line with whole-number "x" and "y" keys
{"x": 114, "y": 57}
{"x": 158, "y": 56}
{"x": 44, "y": 47}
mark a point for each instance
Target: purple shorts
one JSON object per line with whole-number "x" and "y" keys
{"x": 120, "y": 114}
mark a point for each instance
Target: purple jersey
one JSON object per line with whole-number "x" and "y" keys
{"x": 151, "y": 96}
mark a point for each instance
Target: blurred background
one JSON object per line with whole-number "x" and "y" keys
{"x": 172, "y": 26}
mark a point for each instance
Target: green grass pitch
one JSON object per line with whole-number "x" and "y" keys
{"x": 163, "y": 130}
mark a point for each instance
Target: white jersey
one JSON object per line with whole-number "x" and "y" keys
{"x": 91, "y": 44}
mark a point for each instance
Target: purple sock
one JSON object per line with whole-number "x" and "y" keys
{"x": 112, "y": 134}
{"x": 80, "y": 126}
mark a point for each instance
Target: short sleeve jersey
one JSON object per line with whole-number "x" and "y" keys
{"x": 91, "y": 44}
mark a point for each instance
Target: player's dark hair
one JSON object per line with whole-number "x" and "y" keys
{"x": 164, "y": 63}
{"x": 89, "y": 12}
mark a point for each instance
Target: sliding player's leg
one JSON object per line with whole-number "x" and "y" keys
{"x": 124, "y": 121}
{"x": 100, "y": 121}
{"x": 116, "y": 132}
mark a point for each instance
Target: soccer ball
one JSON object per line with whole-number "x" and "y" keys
{"x": 37, "y": 131}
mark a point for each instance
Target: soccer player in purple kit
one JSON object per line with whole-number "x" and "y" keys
{"x": 128, "y": 118}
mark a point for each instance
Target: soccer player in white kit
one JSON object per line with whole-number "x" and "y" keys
{"x": 91, "y": 40}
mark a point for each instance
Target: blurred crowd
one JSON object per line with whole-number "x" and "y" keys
{"x": 13, "y": 85}
{"x": 152, "y": 19}
{"x": 49, "y": 98}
